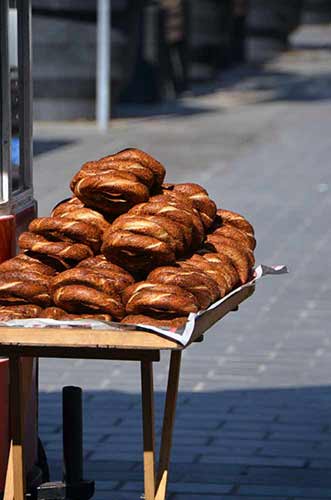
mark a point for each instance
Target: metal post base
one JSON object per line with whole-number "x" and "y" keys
{"x": 61, "y": 491}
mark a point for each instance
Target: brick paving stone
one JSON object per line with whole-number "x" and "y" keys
{"x": 321, "y": 464}
{"x": 255, "y": 402}
{"x": 232, "y": 497}
{"x": 193, "y": 488}
{"x": 253, "y": 460}
{"x": 285, "y": 490}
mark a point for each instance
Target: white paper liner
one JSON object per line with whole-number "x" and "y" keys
{"x": 182, "y": 335}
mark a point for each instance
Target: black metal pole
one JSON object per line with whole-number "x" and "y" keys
{"x": 73, "y": 486}
{"x": 72, "y": 434}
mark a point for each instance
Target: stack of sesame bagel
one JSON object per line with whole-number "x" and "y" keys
{"x": 127, "y": 247}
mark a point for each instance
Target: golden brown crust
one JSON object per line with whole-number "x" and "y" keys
{"x": 143, "y": 173}
{"x": 83, "y": 276}
{"x": 198, "y": 262}
{"x": 56, "y": 313}
{"x": 140, "y": 319}
{"x": 113, "y": 193}
{"x": 23, "y": 262}
{"x": 200, "y": 200}
{"x": 16, "y": 292}
{"x": 145, "y": 159}
{"x": 182, "y": 218}
{"x": 159, "y": 300}
{"x": 195, "y": 281}
{"x": 234, "y": 219}
{"x": 98, "y": 316}
{"x": 245, "y": 239}
{"x": 174, "y": 230}
{"x": 93, "y": 280}
{"x": 120, "y": 277}
{"x": 186, "y": 206}
{"x": 145, "y": 226}
{"x": 226, "y": 267}
{"x": 238, "y": 257}
{"x": 26, "y": 276}
{"x": 223, "y": 240}
{"x": 154, "y": 226}
{"x": 66, "y": 206}
{"x": 37, "y": 243}
{"x": 54, "y": 262}
{"x": 88, "y": 216}
{"x": 68, "y": 230}
{"x": 80, "y": 299}
{"x": 136, "y": 252}
{"x": 8, "y": 313}
{"x": 60, "y": 314}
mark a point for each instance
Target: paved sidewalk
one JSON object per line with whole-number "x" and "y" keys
{"x": 254, "y": 413}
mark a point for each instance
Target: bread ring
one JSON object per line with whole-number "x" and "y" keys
{"x": 66, "y": 206}
{"x": 236, "y": 220}
{"x": 88, "y": 169}
{"x": 182, "y": 218}
{"x": 127, "y": 293}
{"x": 120, "y": 277}
{"x": 151, "y": 225}
{"x": 16, "y": 292}
{"x": 36, "y": 243}
{"x": 66, "y": 229}
{"x": 140, "y": 319}
{"x": 99, "y": 317}
{"x": 246, "y": 239}
{"x": 155, "y": 299}
{"x": 8, "y": 313}
{"x": 80, "y": 299}
{"x": 113, "y": 193}
{"x": 201, "y": 201}
{"x": 99, "y": 262}
{"x": 56, "y": 313}
{"x": 198, "y": 262}
{"x": 232, "y": 242}
{"x": 238, "y": 257}
{"x": 145, "y": 159}
{"x": 55, "y": 263}
{"x": 186, "y": 207}
{"x": 175, "y": 231}
{"x": 86, "y": 277}
{"x": 26, "y": 276}
{"x": 61, "y": 314}
{"x": 23, "y": 262}
{"x": 142, "y": 172}
{"x": 136, "y": 252}
{"x": 225, "y": 265}
{"x": 202, "y": 286}
{"x": 88, "y": 216}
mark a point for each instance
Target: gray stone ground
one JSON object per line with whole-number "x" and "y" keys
{"x": 254, "y": 413}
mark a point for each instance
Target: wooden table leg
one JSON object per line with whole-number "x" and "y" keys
{"x": 16, "y": 487}
{"x": 26, "y": 376}
{"x": 168, "y": 425}
{"x": 147, "y": 391}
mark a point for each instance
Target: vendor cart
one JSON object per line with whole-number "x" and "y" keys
{"x": 22, "y": 344}
{"x": 130, "y": 344}
{"x": 17, "y": 205}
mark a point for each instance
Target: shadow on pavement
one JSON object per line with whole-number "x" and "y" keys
{"x": 41, "y": 146}
{"x": 168, "y": 109}
{"x": 277, "y": 441}
{"x": 281, "y": 85}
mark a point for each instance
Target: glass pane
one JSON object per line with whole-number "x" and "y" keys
{"x": 17, "y": 170}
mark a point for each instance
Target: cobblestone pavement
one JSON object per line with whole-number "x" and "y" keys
{"x": 254, "y": 413}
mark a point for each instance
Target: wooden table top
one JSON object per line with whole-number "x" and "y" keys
{"x": 51, "y": 342}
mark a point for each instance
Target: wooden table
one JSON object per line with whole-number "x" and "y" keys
{"x": 141, "y": 346}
